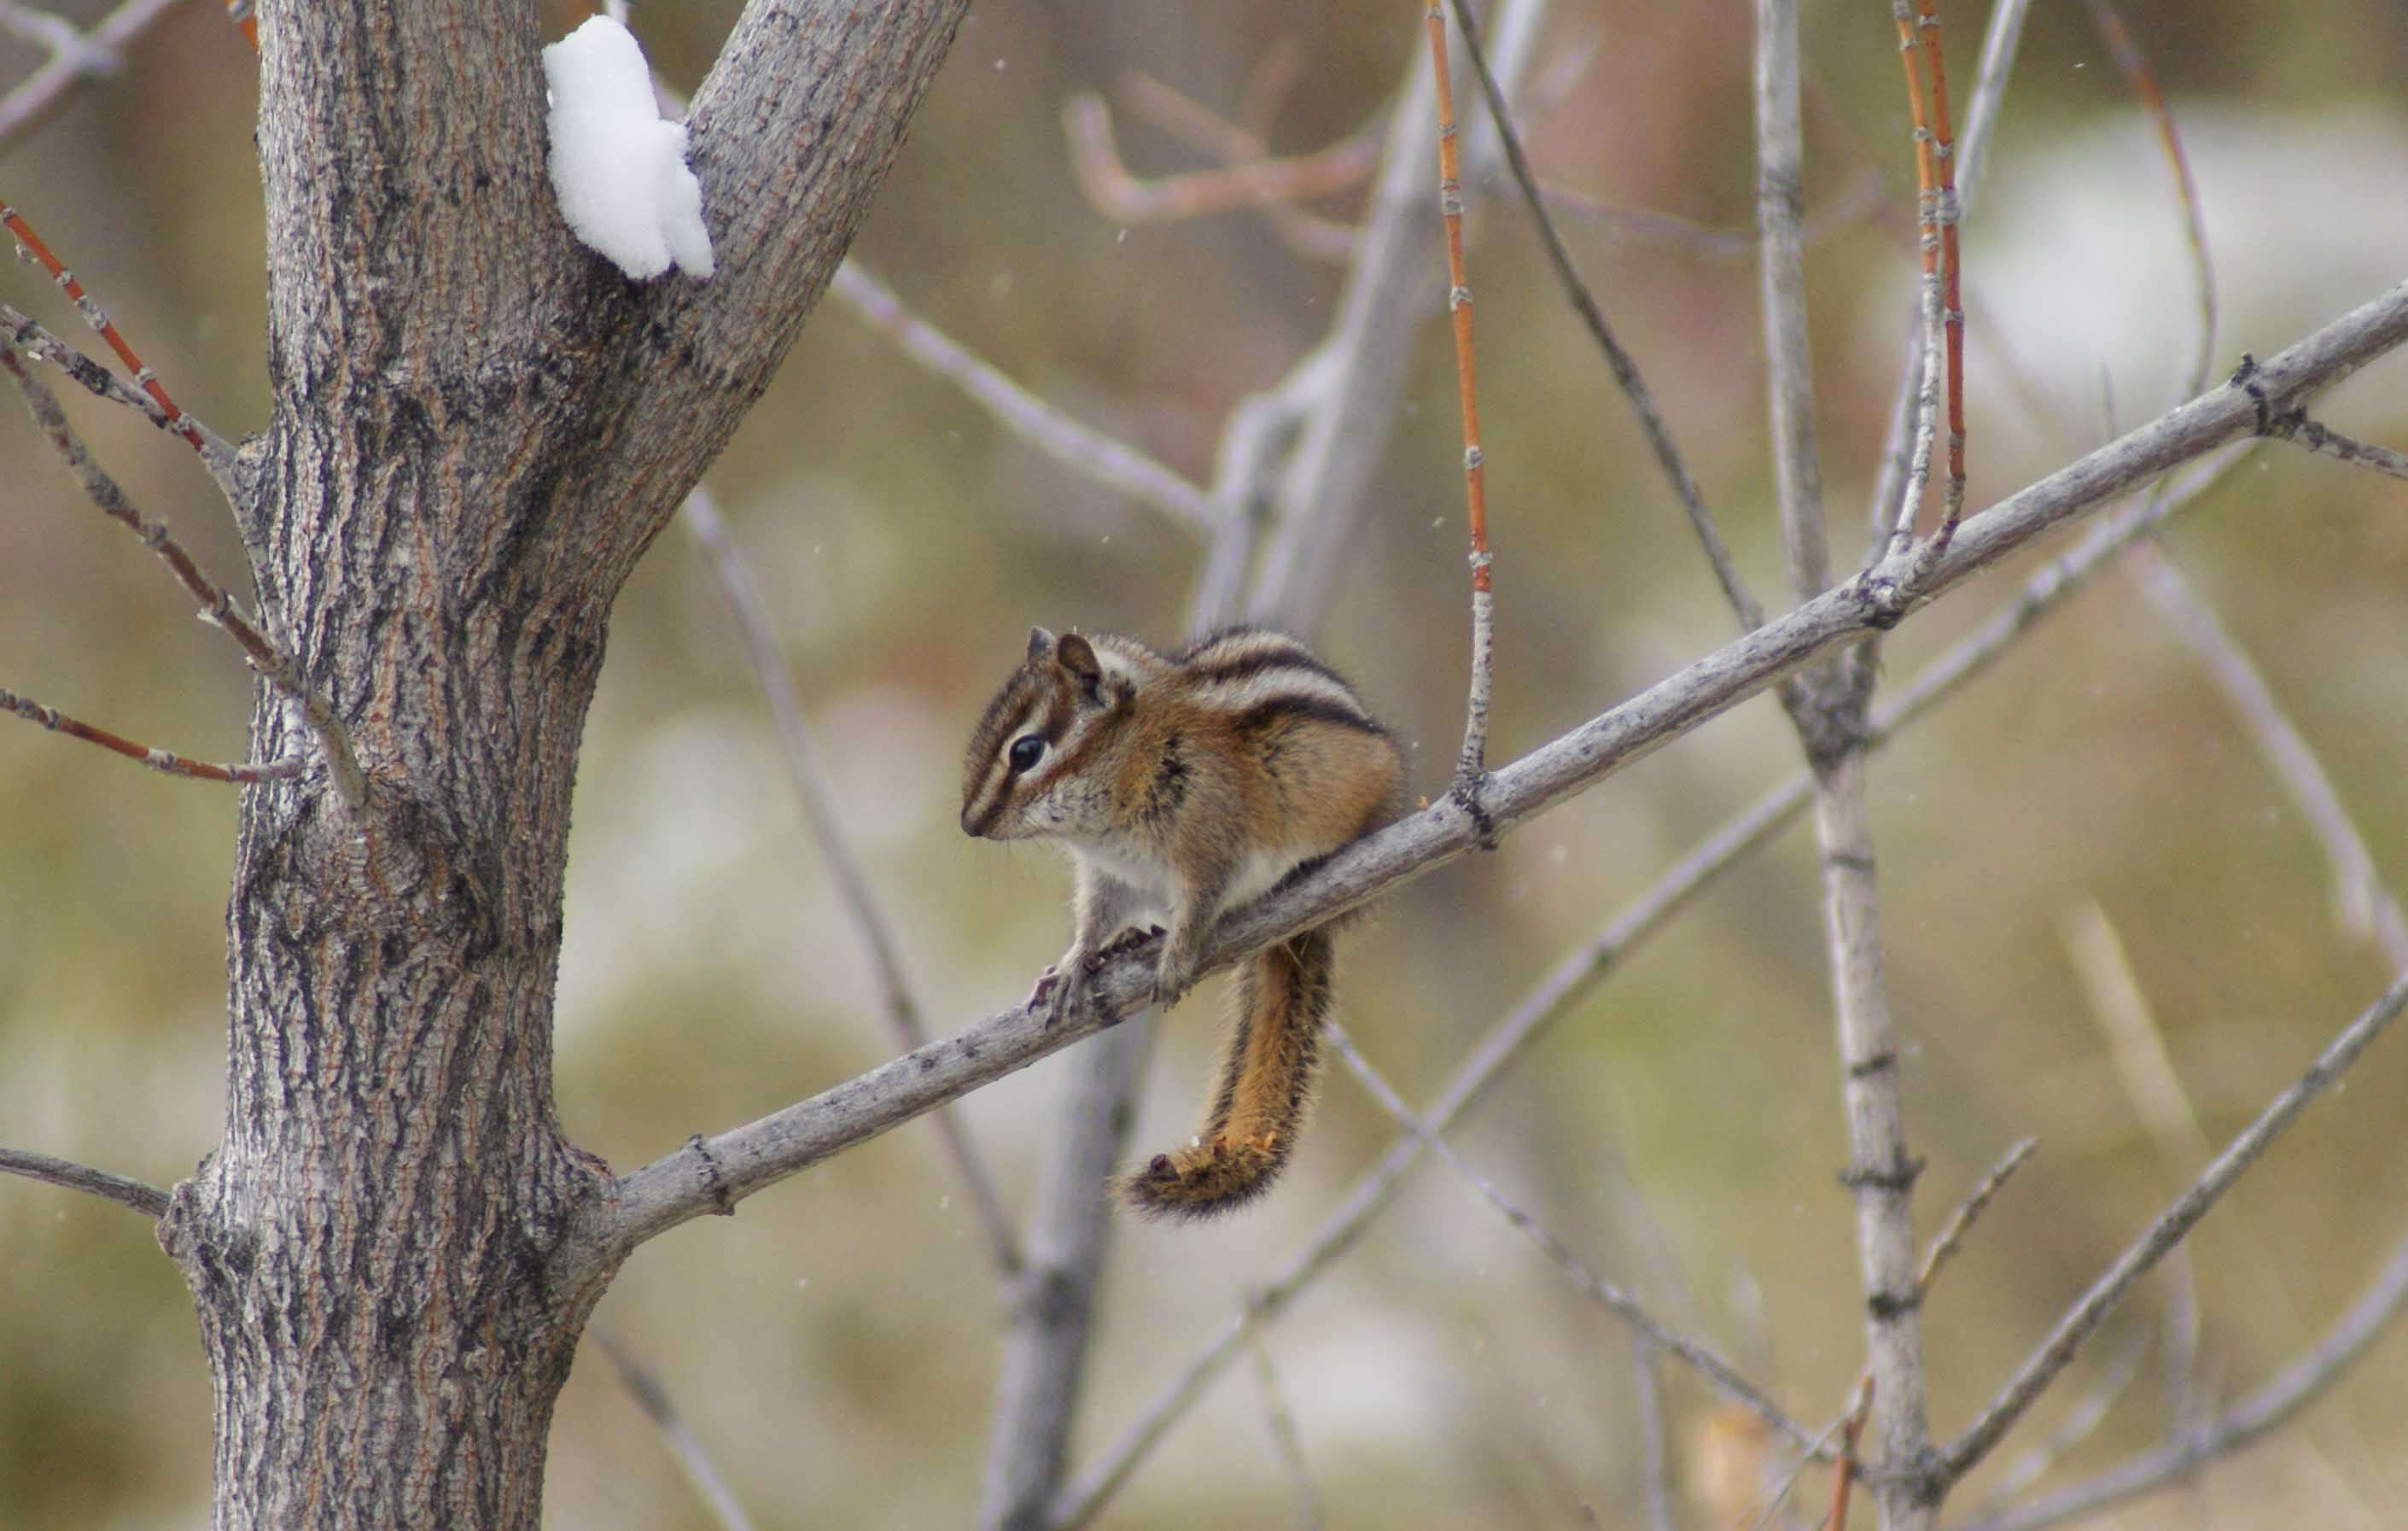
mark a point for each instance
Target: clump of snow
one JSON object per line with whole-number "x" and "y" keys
{"x": 619, "y": 170}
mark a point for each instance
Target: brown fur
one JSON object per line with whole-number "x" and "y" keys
{"x": 1187, "y": 785}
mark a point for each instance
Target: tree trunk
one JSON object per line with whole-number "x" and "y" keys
{"x": 478, "y": 428}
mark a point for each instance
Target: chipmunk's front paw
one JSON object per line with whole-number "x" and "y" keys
{"x": 1172, "y": 979}
{"x": 1060, "y": 989}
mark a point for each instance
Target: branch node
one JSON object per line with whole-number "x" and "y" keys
{"x": 1896, "y": 1181}
{"x": 721, "y": 1202}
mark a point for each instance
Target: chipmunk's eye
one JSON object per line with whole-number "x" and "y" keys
{"x": 1026, "y": 751}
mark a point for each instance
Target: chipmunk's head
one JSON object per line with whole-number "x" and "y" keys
{"x": 1026, "y": 773}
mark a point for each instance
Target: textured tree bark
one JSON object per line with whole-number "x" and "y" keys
{"x": 478, "y": 428}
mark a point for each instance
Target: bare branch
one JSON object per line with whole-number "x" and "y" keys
{"x": 1999, "y": 49}
{"x": 216, "y": 607}
{"x": 1952, "y": 1236}
{"x": 2297, "y": 429}
{"x": 1790, "y": 373}
{"x": 149, "y": 1201}
{"x": 691, "y": 1458}
{"x": 1096, "y": 160}
{"x": 1283, "y": 1437}
{"x": 2064, "y": 1339}
{"x": 48, "y": 88}
{"x": 1576, "y": 975}
{"x": 1232, "y": 144}
{"x": 2368, "y": 910}
{"x": 693, "y": 1181}
{"x": 1360, "y": 363}
{"x": 1719, "y": 1374}
{"x": 1647, "y": 1398}
{"x": 2144, "y": 80}
{"x": 1081, "y": 448}
{"x": 2285, "y": 1395}
{"x": 2080, "y": 1422}
{"x": 809, "y": 779}
{"x": 157, "y": 759}
{"x": 1625, "y": 370}
{"x": 1471, "y": 763}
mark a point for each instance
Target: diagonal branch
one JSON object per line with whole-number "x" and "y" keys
{"x": 809, "y": 779}
{"x": 149, "y": 1200}
{"x": 1625, "y": 370}
{"x": 705, "y": 1175}
{"x": 1105, "y": 458}
{"x": 2064, "y": 1339}
{"x": 216, "y": 607}
{"x": 1574, "y": 975}
{"x": 165, "y": 761}
{"x": 1645, "y": 1327}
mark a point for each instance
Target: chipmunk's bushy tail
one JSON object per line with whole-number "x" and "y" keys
{"x": 1265, "y": 1090}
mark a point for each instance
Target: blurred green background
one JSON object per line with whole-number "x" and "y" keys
{"x": 834, "y": 1344}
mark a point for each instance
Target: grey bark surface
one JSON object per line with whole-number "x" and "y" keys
{"x": 478, "y": 427}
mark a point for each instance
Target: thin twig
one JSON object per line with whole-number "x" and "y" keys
{"x": 1719, "y": 1374}
{"x": 34, "y": 98}
{"x": 29, "y": 243}
{"x": 216, "y": 607}
{"x": 2065, "y": 1339}
{"x": 2367, "y": 909}
{"x": 1283, "y": 1437}
{"x": 1240, "y": 143}
{"x": 2000, "y": 46}
{"x": 691, "y": 1458}
{"x": 2144, "y": 80}
{"x": 1781, "y": 269}
{"x": 157, "y": 759}
{"x": 1952, "y": 307}
{"x": 1569, "y": 983}
{"x": 1360, "y": 365}
{"x": 1900, "y": 518}
{"x": 1651, "y": 226}
{"x": 1472, "y": 762}
{"x": 703, "y": 1176}
{"x": 1105, "y": 458}
{"x": 1844, "y": 1471}
{"x": 149, "y": 1200}
{"x": 2080, "y": 1422}
{"x": 809, "y": 776}
{"x": 2249, "y": 1419}
{"x": 2137, "y": 1044}
{"x": 1094, "y": 159}
{"x": 42, "y": 345}
{"x": 1655, "y": 1456}
{"x": 2294, "y": 426}
{"x": 1943, "y": 1249}
{"x": 1626, "y": 370}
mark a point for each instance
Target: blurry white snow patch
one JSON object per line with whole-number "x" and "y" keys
{"x": 618, "y": 169}
{"x": 2079, "y": 264}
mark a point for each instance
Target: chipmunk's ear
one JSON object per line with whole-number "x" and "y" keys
{"x": 1040, "y": 643}
{"x": 1077, "y": 655}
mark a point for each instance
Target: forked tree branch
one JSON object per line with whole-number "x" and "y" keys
{"x": 2065, "y": 1339}
{"x": 714, "y": 1171}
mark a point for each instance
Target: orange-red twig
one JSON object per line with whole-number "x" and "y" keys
{"x": 2144, "y": 80}
{"x": 144, "y": 377}
{"x": 1097, "y": 162}
{"x": 1935, "y": 203}
{"x": 1843, "y": 1472}
{"x": 1237, "y": 145}
{"x": 239, "y": 12}
{"x": 1952, "y": 310}
{"x": 157, "y": 759}
{"x": 1458, "y": 305}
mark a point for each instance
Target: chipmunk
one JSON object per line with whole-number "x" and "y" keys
{"x": 1182, "y": 787}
